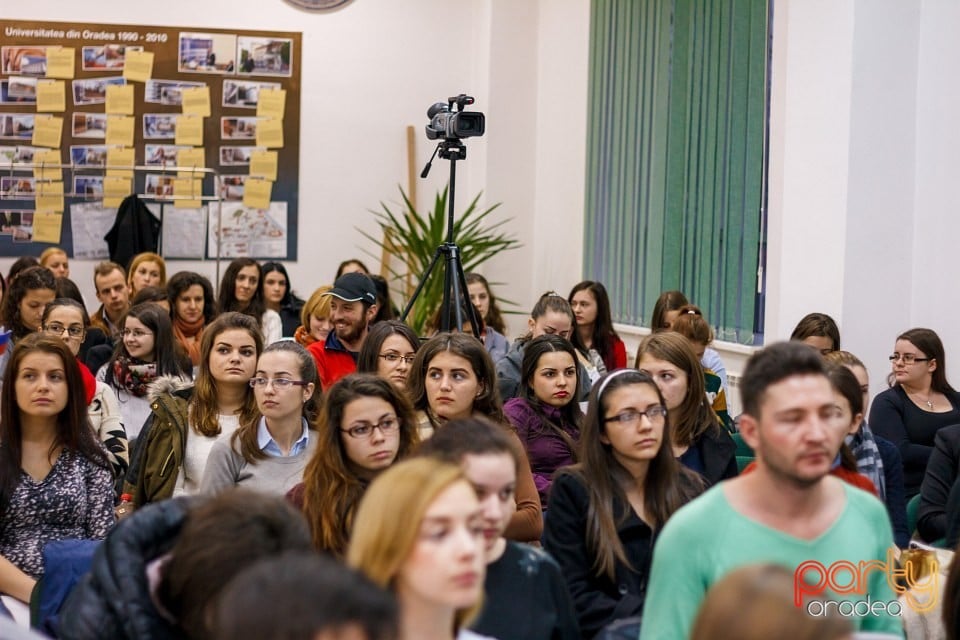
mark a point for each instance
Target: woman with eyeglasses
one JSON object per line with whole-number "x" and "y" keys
{"x": 146, "y": 351}
{"x": 188, "y": 418}
{"x": 365, "y": 426}
{"x": 605, "y": 512}
{"x": 270, "y": 453}
{"x": 388, "y": 352}
{"x": 67, "y": 320}
{"x": 918, "y": 404}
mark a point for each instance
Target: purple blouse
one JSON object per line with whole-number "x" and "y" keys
{"x": 546, "y": 449}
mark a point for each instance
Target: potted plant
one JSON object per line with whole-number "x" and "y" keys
{"x": 414, "y": 238}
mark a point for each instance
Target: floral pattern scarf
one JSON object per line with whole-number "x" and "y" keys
{"x": 133, "y": 375}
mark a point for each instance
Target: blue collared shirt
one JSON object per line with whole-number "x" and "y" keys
{"x": 267, "y": 444}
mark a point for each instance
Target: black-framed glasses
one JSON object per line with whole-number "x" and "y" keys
{"x": 57, "y": 329}
{"x": 908, "y": 358}
{"x": 365, "y": 430}
{"x": 393, "y": 358}
{"x": 653, "y": 414}
{"x": 278, "y": 383}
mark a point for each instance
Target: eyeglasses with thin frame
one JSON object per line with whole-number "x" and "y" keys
{"x": 280, "y": 384}
{"x": 654, "y": 414}
{"x": 393, "y": 358}
{"x": 908, "y": 358}
{"x": 364, "y": 430}
{"x": 57, "y": 329}
{"x": 136, "y": 333}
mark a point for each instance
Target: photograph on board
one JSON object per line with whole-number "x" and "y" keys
{"x": 236, "y": 156}
{"x": 207, "y": 53}
{"x": 94, "y": 90}
{"x": 88, "y": 187}
{"x": 167, "y": 91}
{"x": 29, "y": 60}
{"x": 264, "y": 56}
{"x": 159, "y": 126}
{"x": 108, "y": 57}
{"x": 244, "y": 94}
{"x": 89, "y": 125}
{"x": 238, "y": 128}
{"x": 17, "y": 126}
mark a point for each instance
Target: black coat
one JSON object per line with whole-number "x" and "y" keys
{"x": 940, "y": 491}
{"x": 719, "y": 453}
{"x": 134, "y": 231}
{"x": 598, "y": 600}
{"x": 113, "y": 600}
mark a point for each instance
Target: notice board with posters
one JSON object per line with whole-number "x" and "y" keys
{"x": 99, "y": 95}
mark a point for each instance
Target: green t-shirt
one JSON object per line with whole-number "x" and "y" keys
{"x": 707, "y": 539}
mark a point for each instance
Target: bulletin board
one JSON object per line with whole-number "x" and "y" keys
{"x": 257, "y": 216}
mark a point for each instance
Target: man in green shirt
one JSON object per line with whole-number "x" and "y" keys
{"x": 789, "y": 511}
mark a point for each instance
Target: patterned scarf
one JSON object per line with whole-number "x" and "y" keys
{"x": 303, "y": 337}
{"x": 134, "y": 375}
{"x": 867, "y": 453}
{"x": 188, "y": 334}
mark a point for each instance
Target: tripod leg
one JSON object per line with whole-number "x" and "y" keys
{"x": 423, "y": 281}
{"x": 472, "y": 316}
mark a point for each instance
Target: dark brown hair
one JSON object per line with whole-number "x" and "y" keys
{"x": 494, "y": 317}
{"x": 571, "y": 412}
{"x": 845, "y": 383}
{"x": 228, "y": 291}
{"x": 818, "y": 325}
{"x": 469, "y": 436}
{"x": 929, "y": 344}
{"x": 31, "y": 279}
{"x": 668, "y": 301}
{"x": 183, "y": 280}
{"x": 692, "y": 325}
{"x": 369, "y": 359}
{"x": 604, "y": 335}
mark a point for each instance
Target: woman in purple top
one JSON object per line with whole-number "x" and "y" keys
{"x": 546, "y": 414}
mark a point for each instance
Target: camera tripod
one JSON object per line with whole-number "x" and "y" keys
{"x": 456, "y": 298}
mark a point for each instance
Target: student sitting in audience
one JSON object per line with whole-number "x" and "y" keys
{"x": 525, "y": 594}
{"x": 160, "y": 574}
{"x": 55, "y": 259}
{"x": 146, "y": 270}
{"x": 452, "y": 377}
{"x": 388, "y": 352}
{"x": 315, "y": 324}
{"x": 546, "y": 415}
{"x": 22, "y": 307}
{"x": 192, "y": 307}
{"x": 278, "y": 296}
{"x": 819, "y": 331}
{"x": 269, "y": 454}
{"x": 146, "y": 351}
{"x": 605, "y": 513}
{"x": 919, "y": 403}
{"x": 591, "y": 307}
{"x": 311, "y": 598}
{"x": 696, "y": 436}
{"x": 551, "y": 315}
{"x": 691, "y": 324}
{"x": 877, "y": 458}
{"x": 55, "y": 479}
{"x": 67, "y": 320}
{"x": 241, "y": 289}
{"x": 187, "y": 420}
{"x": 665, "y": 311}
{"x": 353, "y": 265}
{"x": 419, "y": 533}
{"x": 494, "y": 329}
{"x": 155, "y": 295}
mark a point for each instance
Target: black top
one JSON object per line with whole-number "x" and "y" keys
{"x": 598, "y": 600}
{"x": 895, "y": 500}
{"x": 895, "y": 417}
{"x": 716, "y": 453}
{"x": 941, "y": 486}
{"x": 525, "y": 597}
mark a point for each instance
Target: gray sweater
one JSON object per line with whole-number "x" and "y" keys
{"x": 275, "y": 476}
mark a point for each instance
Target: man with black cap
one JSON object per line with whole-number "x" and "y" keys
{"x": 353, "y": 305}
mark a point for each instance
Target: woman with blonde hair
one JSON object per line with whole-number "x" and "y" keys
{"x": 146, "y": 270}
{"x": 315, "y": 323}
{"x": 55, "y": 259}
{"x": 419, "y": 533}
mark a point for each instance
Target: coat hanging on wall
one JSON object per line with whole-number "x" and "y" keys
{"x": 134, "y": 231}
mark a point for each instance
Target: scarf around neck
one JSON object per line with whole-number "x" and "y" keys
{"x": 869, "y": 462}
{"x": 133, "y": 375}
{"x": 188, "y": 334}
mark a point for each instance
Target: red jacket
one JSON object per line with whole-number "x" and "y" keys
{"x": 333, "y": 360}
{"x": 858, "y": 480}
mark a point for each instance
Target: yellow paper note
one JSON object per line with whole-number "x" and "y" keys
{"x": 256, "y": 193}
{"x": 47, "y": 226}
{"x": 190, "y": 159}
{"x": 196, "y": 101}
{"x": 120, "y": 157}
{"x": 120, "y": 130}
{"x": 263, "y": 164}
{"x": 120, "y": 99}
{"x": 51, "y": 95}
{"x": 47, "y": 130}
{"x": 187, "y": 193}
{"x": 271, "y": 103}
{"x": 189, "y": 131}
{"x": 60, "y": 62}
{"x": 43, "y": 159}
{"x": 115, "y": 189}
{"x": 49, "y": 196}
{"x": 270, "y": 133}
{"x": 137, "y": 65}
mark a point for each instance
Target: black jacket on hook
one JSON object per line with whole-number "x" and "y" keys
{"x": 134, "y": 231}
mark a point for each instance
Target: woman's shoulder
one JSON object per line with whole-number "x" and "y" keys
{"x": 517, "y": 407}
{"x": 177, "y": 387}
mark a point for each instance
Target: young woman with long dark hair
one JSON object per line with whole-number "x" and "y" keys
{"x": 388, "y": 352}
{"x": 365, "y": 426}
{"x": 55, "y": 480}
{"x": 591, "y": 306}
{"x": 192, "y": 307}
{"x": 279, "y": 296}
{"x": 241, "y": 289}
{"x": 606, "y": 511}
{"x": 546, "y": 414}
{"x": 270, "y": 453}
{"x": 818, "y": 330}
{"x": 495, "y": 329}
{"x": 452, "y": 377}
{"x": 187, "y": 419}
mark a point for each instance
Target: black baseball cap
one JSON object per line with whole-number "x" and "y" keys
{"x": 354, "y": 287}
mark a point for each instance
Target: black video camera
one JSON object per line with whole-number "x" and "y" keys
{"x": 448, "y": 124}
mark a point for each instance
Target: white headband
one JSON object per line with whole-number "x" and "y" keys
{"x": 611, "y": 376}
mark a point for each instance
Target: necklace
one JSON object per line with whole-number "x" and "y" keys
{"x": 928, "y": 401}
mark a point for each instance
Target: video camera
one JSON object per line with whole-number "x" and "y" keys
{"x": 448, "y": 124}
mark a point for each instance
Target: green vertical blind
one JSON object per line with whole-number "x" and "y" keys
{"x": 676, "y": 151}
